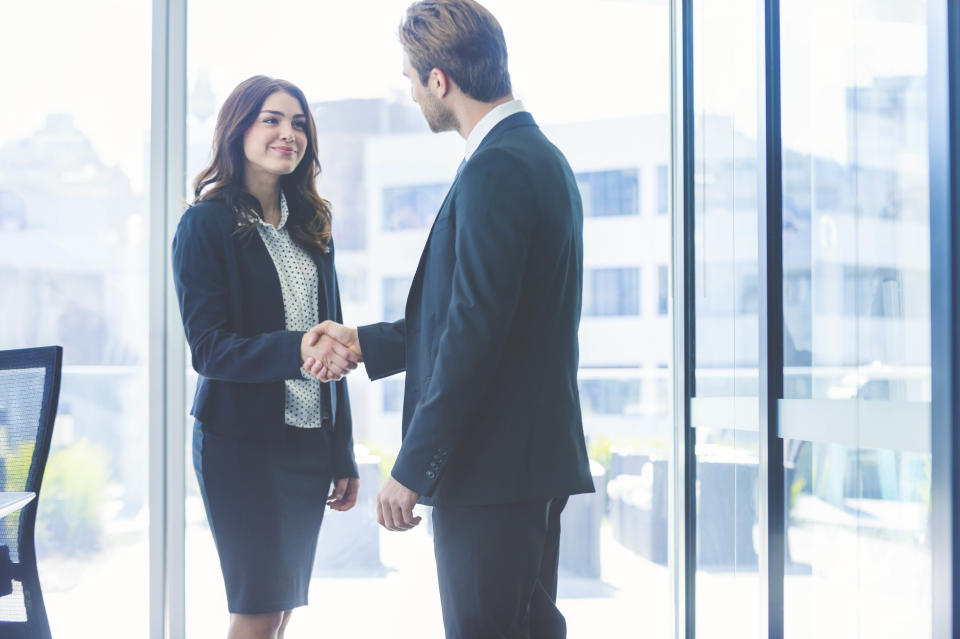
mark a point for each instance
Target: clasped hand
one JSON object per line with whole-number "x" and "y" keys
{"x": 328, "y": 351}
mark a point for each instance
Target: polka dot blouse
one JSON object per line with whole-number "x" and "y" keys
{"x": 299, "y": 285}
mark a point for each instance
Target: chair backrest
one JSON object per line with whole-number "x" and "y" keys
{"x": 29, "y": 392}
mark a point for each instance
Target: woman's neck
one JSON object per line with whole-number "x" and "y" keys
{"x": 266, "y": 188}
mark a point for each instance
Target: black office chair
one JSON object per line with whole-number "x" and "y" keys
{"x": 29, "y": 391}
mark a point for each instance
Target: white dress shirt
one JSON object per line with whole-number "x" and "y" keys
{"x": 486, "y": 124}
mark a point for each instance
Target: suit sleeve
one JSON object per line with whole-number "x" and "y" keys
{"x": 383, "y": 348}
{"x": 344, "y": 463}
{"x": 496, "y": 218}
{"x": 201, "y": 281}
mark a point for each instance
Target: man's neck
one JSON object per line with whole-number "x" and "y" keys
{"x": 472, "y": 111}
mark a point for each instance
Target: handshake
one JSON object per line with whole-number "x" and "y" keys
{"x": 328, "y": 351}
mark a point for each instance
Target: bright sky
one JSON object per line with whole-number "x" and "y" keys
{"x": 570, "y": 59}
{"x": 576, "y": 68}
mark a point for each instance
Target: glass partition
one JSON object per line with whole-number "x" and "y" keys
{"x": 856, "y": 237}
{"x": 727, "y": 40}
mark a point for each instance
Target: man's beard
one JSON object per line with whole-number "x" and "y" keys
{"x": 439, "y": 117}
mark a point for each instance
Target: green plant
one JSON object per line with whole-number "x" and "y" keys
{"x": 387, "y": 458}
{"x": 20, "y": 460}
{"x": 795, "y": 489}
{"x": 601, "y": 448}
{"x": 598, "y": 449}
{"x": 68, "y": 515}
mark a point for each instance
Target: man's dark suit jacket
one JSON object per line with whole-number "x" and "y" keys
{"x": 232, "y": 310}
{"x": 491, "y": 412}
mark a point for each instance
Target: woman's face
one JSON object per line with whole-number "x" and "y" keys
{"x": 277, "y": 139}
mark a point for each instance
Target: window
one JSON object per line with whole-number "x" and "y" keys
{"x": 877, "y": 290}
{"x": 611, "y": 291}
{"x": 727, "y": 43}
{"x": 607, "y": 193}
{"x": 395, "y": 291}
{"x": 663, "y": 189}
{"x": 74, "y": 231}
{"x": 856, "y": 237}
{"x": 663, "y": 290}
{"x": 412, "y": 207}
{"x": 392, "y": 395}
{"x": 353, "y": 283}
{"x": 611, "y": 396}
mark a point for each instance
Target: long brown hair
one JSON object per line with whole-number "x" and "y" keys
{"x": 310, "y": 215}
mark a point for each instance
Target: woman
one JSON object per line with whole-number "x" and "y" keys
{"x": 253, "y": 269}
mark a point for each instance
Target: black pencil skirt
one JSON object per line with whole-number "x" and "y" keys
{"x": 264, "y": 503}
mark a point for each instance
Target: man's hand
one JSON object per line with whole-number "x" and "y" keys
{"x": 337, "y": 360}
{"x": 395, "y": 504}
{"x": 345, "y": 336}
{"x": 343, "y": 494}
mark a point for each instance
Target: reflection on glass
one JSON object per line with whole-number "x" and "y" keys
{"x": 726, "y": 65}
{"x": 73, "y": 271}
{"x": 386, "y": 176}
{"x": 857, "y": 317}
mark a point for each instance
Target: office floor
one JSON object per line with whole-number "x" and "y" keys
{"x": 632, "y": 600}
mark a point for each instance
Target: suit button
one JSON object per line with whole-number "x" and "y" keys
{"x": 434, "y": 465}
{"x": 441, "y": 451}
{"x": 431, "y": 474}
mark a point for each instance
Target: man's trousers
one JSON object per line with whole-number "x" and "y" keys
{"x": 497, "y": 569}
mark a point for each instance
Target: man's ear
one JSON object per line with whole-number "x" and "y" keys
{"x": 439, "y": 83}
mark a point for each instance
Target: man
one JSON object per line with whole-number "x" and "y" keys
{"x": 493, "y": 435}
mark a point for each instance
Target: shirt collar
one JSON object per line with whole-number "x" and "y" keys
{"x": 490, "y": 120}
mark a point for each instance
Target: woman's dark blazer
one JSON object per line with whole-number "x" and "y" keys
{"x": 232, "y": 310}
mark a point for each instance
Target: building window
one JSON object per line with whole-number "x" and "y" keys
{"x": 611, "y": 291}
{"x": 663, "y": 189}
{"x": 608, "y": 193}
{"x": 395, "y": 291}
{"x": 352, "y": 283}
{"x": 663, "y": 289}
{"x": 412, "y": 207}
{"x": 393, "y": 395}
{"x": 611, "y": 396}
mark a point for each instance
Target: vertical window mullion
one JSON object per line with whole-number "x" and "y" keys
{"x": 167, "y": 396}
{"x": 683, "y": 478}
{"x": 943, "y": 25}
{"x": 771, "y": 473}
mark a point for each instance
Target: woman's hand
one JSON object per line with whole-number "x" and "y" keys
{"x": 325, "y": 352}
{"x": 345, "y": 336}
{"x": 343, "y": 494}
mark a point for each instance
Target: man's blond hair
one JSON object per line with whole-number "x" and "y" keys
{"x": 462, "y": 39}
